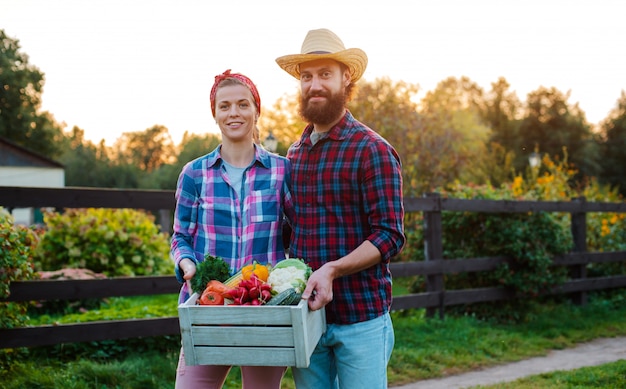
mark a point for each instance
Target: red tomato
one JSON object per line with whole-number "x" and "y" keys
{"x": 211, "y": 297}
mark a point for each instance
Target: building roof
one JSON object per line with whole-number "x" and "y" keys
{"x": 12, "y": 154}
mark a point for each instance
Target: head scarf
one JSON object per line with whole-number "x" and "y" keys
{"x": 240, "y": 77}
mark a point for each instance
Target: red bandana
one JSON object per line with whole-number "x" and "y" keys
{"x": 245, "y": 80}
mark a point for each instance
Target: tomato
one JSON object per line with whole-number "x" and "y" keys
{"x": 211, "y": 297}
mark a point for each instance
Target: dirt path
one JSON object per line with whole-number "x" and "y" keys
{"x": 597, "y": 352}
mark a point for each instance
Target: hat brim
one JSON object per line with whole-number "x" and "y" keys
{"x": 354, "y": 59}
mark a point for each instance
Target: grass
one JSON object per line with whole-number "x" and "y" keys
{"x": 610, "y": 375}
{"x": 425, "y": 348}
{"x": 433, "y": 348}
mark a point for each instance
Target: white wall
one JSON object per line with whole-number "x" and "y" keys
{"x": 42, "y": 177}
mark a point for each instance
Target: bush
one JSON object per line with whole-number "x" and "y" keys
{"x": 17, "y": 244}
{"x": 115, "y": 242}
{"x": 532, "y": 239}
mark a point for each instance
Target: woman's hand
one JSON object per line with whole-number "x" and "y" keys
{"x": 188, "y": 267}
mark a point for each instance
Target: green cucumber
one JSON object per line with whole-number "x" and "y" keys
{"x": 295, "y": 298}
{"x": 285, "y": 297}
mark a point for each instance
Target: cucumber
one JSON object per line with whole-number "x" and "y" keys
{"x": 295, "y": 298}
{"x": 285, "y": 297}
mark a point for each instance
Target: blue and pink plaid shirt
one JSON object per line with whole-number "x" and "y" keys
{"x": 211, "y": 218}
{"x": 347, "y": 188}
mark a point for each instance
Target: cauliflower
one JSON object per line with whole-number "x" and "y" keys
{"x": 287, "y": 277}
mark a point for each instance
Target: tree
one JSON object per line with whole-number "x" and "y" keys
{"x": 191, "y": 147}
{"x": 20, "y": 101}
{"x": 556, "y": 127}
{"x": 80, "y": 158}
{"x": 456, "y": 134}
{"x": 283, "y": 121}
{"x": 147, "y": 149}
{"x": 502, "y": 113}
{"x": 613, "y": 145}
{"x": 90, "y": 165}
{"x": 389, "y": 108}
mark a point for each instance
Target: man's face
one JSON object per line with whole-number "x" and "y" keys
{"x": 323, "y": 85}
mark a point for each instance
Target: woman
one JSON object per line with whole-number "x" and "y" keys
{"x": 230, "y": 204}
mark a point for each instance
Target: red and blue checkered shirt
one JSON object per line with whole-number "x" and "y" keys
{"x": 347, "y": 188}
{"x": 210, "y": 218}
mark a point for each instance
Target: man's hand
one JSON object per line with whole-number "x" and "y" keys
{"x": 319, "y": 288}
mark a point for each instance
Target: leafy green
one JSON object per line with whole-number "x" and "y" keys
{"x": 212, "y": 268}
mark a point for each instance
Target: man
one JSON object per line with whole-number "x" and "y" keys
{"x": 347, "y": 190}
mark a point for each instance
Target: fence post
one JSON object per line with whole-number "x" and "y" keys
{"x": 579, "y": 235}
{"x": 165, "y": 221}
{"x": 433, "y": 249}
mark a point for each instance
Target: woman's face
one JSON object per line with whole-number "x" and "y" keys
{"x": 235, "y": 113}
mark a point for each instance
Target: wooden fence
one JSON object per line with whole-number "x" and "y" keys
{"x": 435, "y": 299}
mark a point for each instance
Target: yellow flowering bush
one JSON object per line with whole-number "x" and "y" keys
{"x": 115, "y": 242}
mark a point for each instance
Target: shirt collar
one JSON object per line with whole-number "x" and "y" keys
{"x": 337, "y": 132}
{"x": 261, "y": 156}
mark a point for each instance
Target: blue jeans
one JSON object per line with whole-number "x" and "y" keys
{"x": 350, "y": 356}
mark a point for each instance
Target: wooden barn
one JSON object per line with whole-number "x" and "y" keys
{"x": 20, "y": 166}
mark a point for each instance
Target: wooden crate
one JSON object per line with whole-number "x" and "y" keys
{"x": 249, "y": 335}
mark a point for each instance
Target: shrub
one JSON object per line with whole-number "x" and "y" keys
{"x": 115, "y": 242}
{"x": 16, "y": 248}
{"x": 531, "y": 240}
{"x": 17, "y": 244}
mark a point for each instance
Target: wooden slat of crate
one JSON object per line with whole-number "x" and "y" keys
{"x": 253, "y": 336}
{"x": 243, "y": 336}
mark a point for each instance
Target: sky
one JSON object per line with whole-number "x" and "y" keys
{"x": 119, "y": 66}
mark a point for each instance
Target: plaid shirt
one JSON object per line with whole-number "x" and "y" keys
{"x": 347, "y": 188}
{"x": 210, "y": 218}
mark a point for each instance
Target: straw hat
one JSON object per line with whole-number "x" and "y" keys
{"x": 320, "y": 44}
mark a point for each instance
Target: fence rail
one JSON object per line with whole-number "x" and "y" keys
{"x": 435, "y": 299}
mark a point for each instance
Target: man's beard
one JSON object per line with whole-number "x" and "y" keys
{"x": 322, "y": 113}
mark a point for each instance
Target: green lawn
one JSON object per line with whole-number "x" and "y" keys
{"x": 610, "y": 375}
{"x": 425, "y": 348}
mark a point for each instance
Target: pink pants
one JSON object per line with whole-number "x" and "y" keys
{"x": 213, "y": 377}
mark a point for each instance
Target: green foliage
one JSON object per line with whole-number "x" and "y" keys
{"x": 501, "y": 111}
{"x": 606, "y": 231}
{"x": 191, "y": 147}
{"x": 552, "y": 124}
{"x": 146, "y": 150}
{"x": 89, "y": 165}
{"x": 20, "y": 101}
{"x": 17, "y": 244}
{"x": 613, "y": 143}
{"x": 610, "y": 375}
{"x": 424, "y": 348}
{"x": 16, "y": 249}
{"x": 212, "y": 268}
{"x": 531, "y": 240}
{"x": 115, "y": 242}
{"x": 117, "y": 308}
{"x": 435, "y": 348}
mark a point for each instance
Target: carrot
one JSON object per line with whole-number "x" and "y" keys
{"x": 220, "y": 287}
